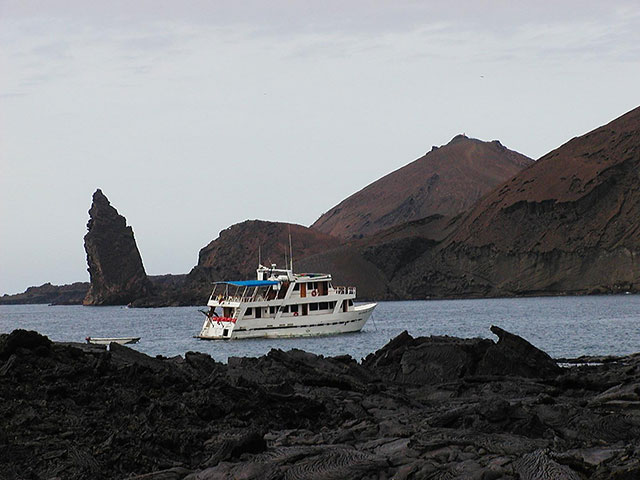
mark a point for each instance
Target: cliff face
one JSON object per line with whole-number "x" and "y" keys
{"x": 570, "y": 223}
{"x": 446, "y": 181}
{"x": 115, "y": 267}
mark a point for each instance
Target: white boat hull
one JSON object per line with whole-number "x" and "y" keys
{"x": 291, "y": 326}
{"x": 107, "y": 341}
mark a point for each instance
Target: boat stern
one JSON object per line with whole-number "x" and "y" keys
{"x": 217, "y": 328}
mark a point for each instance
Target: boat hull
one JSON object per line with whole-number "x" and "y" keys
{"x": 107, "y": 341}
{"x": 299, "y": 326}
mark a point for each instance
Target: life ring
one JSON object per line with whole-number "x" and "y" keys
{"x": 314, "y": 293}
{"x": 295, "y": 314}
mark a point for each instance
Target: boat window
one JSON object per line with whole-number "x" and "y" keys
{"x": 285, "y": 309}
{"x": 351, "y": 303}
{"x": 249, "y": 311}
{"x": 272, "y": 310}
{"x": 294, "y": 308}
{"x": 296, "y": 287}
{"x": 324, "y": 305}
{"x": 313, "y": 306}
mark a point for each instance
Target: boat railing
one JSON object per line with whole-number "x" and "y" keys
{"x": 241, "y": 299}
{"x": 345, "y": 290}
{"x": 223, "y": 293}
{"x": 231, "y": 298}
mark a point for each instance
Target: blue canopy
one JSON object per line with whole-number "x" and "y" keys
{"x": 252, "y": 283}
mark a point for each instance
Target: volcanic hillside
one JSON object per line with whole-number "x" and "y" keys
{"x": 234, "y": 254}
{"x": 570, "y": 223}
{"x": 446, "y": 181}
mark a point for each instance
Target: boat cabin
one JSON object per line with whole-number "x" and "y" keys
{"x": 280, "y": 292}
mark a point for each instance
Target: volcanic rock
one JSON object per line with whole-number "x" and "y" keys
{"x": 446, "y": 181}
{"x": 348, "y": 266}
{"x": 115, "y": 266}
{"x": 513, "y": 355}
{"x": 567, "y": 224}
{"x": 72, "y": 294}
{"x": 432, "y": 360}
{"x": 85, "y": 411}
{"x": 235, "y": 253}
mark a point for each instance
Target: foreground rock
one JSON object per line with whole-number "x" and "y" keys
{"x": 435, "y": 407}
{"x": 115, "y": 266}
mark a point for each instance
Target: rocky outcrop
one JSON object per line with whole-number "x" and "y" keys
{"x": 82, "y": 411}
{"x": 72, "y": 294}
{"x": 234, "y": 254}
{"x": 115, "y": 266}
{"x": 237, "y": 249}
{"x": 430, "y": 360}
{"x": 165, "y": 290}
{"x": 446, "y": 181}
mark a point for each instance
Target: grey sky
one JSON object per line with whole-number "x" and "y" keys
{"x": 192, "y": 116}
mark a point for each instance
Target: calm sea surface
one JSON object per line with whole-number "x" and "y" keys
{"x": 561, "y": 326}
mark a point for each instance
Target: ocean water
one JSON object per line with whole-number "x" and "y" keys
{"x": 561, "y": 326}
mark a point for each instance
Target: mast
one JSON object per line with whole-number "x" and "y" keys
{"x": 290, "y": 251}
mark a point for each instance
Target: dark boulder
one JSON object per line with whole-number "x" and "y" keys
{"x": 432, "y": 360}
{"x": 427, "y": 360}
{"x": 299, "y": 367}
{"x": 25, "y": 339}
{"x": 514, "y": 356}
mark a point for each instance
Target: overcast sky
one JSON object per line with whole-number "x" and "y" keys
{"x": 193, "y": 116}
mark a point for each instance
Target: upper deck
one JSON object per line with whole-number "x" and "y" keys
{"x": 279, "y": 286}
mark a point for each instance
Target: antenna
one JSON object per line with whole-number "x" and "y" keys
{"x": 259, "y": 256}
{"x": 290, "y": 251}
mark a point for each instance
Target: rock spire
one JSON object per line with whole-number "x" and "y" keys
{"x": 115, "y": 266}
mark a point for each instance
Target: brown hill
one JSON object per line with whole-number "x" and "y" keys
{"x": 235, "y": 251}
{"x": 586, "y": 191}
{"x": 570, "y": 223}
{"x": 234, "y": 254}
{"x": 446, "y": 181}
{"x": 370, "y": 262}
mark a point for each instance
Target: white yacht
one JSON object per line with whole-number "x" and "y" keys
{"x": 281, "y": 303}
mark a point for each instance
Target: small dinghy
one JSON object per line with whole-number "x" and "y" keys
{"x": 108, "y": 340}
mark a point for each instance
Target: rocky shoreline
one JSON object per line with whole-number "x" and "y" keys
{"x": 432, "y": 408}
